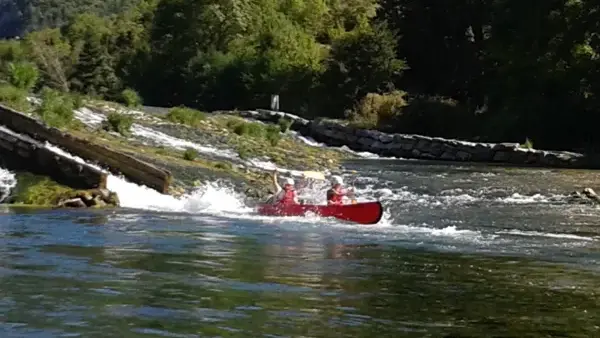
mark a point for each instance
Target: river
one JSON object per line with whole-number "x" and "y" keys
{"x": 463, "y": 251}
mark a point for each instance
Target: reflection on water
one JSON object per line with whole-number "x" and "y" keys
{"x": 61, "y": 273}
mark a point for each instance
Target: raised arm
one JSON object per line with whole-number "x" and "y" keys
{"x": 275, "y": 182}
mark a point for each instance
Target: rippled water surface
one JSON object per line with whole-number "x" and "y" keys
{"x": 463, "y": 252}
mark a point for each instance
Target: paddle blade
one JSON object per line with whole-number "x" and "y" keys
{"x": 314, "y": 174}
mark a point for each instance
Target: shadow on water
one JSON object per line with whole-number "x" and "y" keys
{"x": 140, "y": 275}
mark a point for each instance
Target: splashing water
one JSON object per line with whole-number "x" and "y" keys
{"x": 212, "y": 196}
{"x": 8, "y": 181}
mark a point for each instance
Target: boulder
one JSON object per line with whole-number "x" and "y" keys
{"x": 94, "y": 198}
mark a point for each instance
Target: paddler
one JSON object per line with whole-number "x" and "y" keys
{"x": 337, "y": 192}
{"x": 285, "y": 195}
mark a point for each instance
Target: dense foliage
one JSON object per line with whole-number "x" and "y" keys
{"x": 492, "y": 70}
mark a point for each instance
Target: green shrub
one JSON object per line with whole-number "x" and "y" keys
{"x": 131, "y": 98}
{"x": 273, "y": 134}
{"x": 120, "y": 123}
{"x": 528, "y": 144}
{"x": 284, "y": 124}
{"x": 56, "y": 108}
{"x": 377, "y": 110}
{"x": 78, "y": 100}
{"x": 37, "y": 190}
{"x": 187, "y": 116}
{"x": 190, "y": 154}
{"x": 244, "y": 153}
{"x": 23, "y": 75}
{"x": 252, "y": 129}
{"x": 224, "y": 165}
{"x": 161, "y": 150}
{"x": 14, "y": 97}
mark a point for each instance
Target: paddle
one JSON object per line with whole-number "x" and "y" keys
{"x": 314, "y": 174}
{"x": 317, "y": 175}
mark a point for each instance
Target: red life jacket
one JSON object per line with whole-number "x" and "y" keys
{"x": 289, "y": 197}
{"x": 334, "y": 197}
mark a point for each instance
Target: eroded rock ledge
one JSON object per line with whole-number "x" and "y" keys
{"x": 334, "y": 133}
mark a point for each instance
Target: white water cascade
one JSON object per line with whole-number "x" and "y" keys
{"x": 8, "y": 181}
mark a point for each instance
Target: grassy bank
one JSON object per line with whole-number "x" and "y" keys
{"x": 38, "y": 190}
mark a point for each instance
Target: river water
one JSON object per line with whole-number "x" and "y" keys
{"x": 463, "y": 251}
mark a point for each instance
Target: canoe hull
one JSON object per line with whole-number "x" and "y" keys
{"x": 362, "y": 213}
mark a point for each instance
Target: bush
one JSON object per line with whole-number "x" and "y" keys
{"x": 190, "y": 154}
{"x": 527, "y": 145}
{"x": 131, "y": 98}
{"x": 56, "y": 108}
{"x": 284, "y": 124}
{"x": 377, "y": 110}
{"x": 244, "y": 154}
{"x": 252, "y": 129}
{"x": 78, "y": 100}
{"x": 120, "y": 123}
{"x": 187, "y": 116}
{"x": 273, "y": 134}
{"x": 23, "y": 75}
{"x": 270, "y": 132}
{"x": 224, "y": 165}
{"x": 37, "y": 190}
{"x": 14, "y": 97}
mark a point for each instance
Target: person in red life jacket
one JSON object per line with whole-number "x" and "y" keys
{"x": 285, "y": 195}
{"x": 336, "y": 194}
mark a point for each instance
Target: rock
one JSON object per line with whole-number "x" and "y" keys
{"x": 586, "y": 196}
{"x": 113, "y": 200}
{"x": 105, "y": 193}
{"x": 86, "y": 196}
{"x": 591, "y": 194}
{"x": 463, "y": 155}
{"x": 447, "y": 156}
{"x": 99, "y": 202}
{"x": 335, "y": 133}
{"x": 501, "y": 156}
{"x": 72, "y": 203}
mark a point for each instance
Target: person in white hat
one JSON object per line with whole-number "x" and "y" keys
{"x": 285, "y": 195}
{"x": 336, "y": 193}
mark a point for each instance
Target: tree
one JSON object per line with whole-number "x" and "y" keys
{"x": 52, "y": 54}
{"x": 360, "y": 63}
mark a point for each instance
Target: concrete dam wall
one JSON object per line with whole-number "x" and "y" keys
{"x": 25, "y": 154}
{"x": 118, "y": 163}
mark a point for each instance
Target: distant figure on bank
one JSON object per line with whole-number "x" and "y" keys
{"x": 336, "y": 193}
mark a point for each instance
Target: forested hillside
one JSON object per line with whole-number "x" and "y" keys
{"x": 21, "y": 16}
{"x": 496, "y": 70}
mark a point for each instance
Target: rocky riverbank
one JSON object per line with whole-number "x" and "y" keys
{"x": 338, "y": 133}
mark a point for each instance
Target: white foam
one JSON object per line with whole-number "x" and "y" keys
{"x": 545, "y": 234}
{"x": 8, "y": 181}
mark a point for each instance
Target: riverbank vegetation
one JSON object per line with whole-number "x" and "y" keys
{"x": 480, "y": 70}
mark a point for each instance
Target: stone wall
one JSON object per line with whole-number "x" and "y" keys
{"x": 137, "y": 171}
{"x": 19, "y": 153}
{"x": 335, "y": 133}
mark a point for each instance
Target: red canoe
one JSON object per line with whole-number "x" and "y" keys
{"x": 363, "y": 213}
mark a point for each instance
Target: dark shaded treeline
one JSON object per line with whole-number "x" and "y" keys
{"x": 490, "y": 70}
